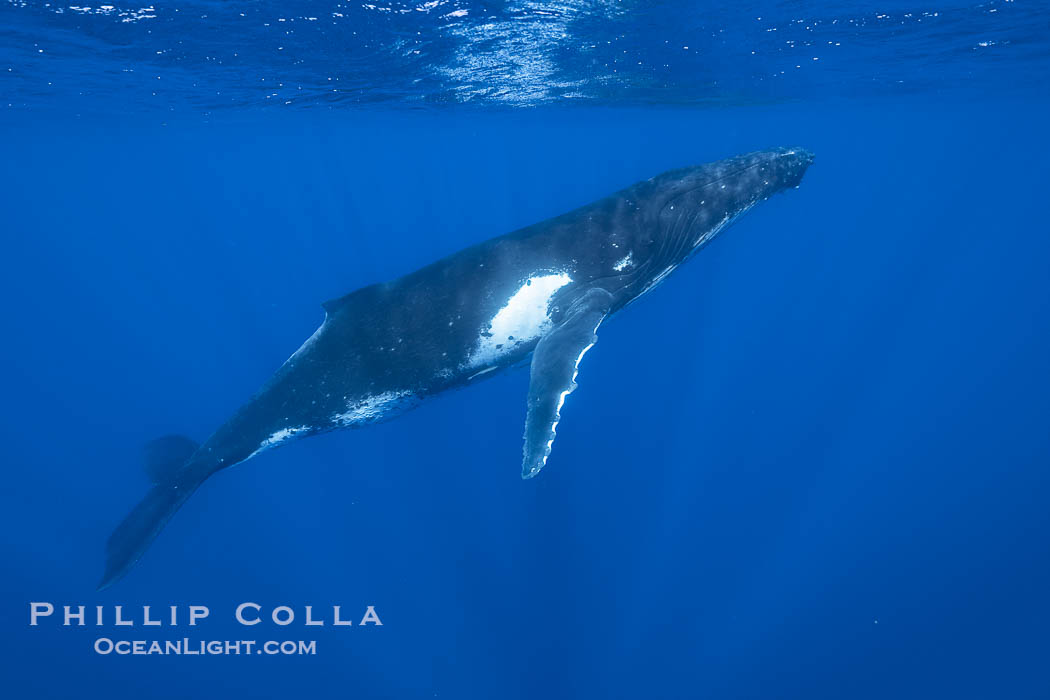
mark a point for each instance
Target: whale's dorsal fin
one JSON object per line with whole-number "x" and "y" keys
{"x": 364, "y": 295}
{"x": 165, "y": 455}
{"x": 555, "y": 363}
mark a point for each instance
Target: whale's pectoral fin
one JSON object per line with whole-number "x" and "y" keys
{"x": 555, "y": 363}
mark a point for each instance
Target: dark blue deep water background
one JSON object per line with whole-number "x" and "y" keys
{"x": 813, "y": 464}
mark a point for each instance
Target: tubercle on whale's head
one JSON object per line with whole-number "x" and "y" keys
{"x": 783, "y": 166}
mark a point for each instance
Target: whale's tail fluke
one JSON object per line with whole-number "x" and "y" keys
{"x": 166, "y": 458}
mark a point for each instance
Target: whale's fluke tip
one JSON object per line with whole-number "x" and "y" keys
{"x": 166, "y": 461}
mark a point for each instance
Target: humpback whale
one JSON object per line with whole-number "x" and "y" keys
{"x": 542, "y": 291}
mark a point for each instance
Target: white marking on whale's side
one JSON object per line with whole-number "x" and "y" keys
{"x": 277, "y": 438}
{"x": 373, "y": 408}
{"x": 622, "y": 264}
{"x": 481, "y": 372}
{"x": 524, "y": 318}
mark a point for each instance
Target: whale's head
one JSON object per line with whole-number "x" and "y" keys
{"x": 733, "y": 183}
{"x": 686, "y": 208}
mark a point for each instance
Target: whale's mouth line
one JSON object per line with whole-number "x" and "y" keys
{"x": 726, "y": 176}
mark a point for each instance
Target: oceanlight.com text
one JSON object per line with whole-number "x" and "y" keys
{"x": 188, "y": 647}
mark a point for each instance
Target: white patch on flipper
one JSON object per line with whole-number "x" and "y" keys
{"x": 373, "y": 408}
{"x": 524, "y": 318}
{"x": 277, "y": 438}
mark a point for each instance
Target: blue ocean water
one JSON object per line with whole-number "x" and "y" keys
{"x": 812, "y": 464}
